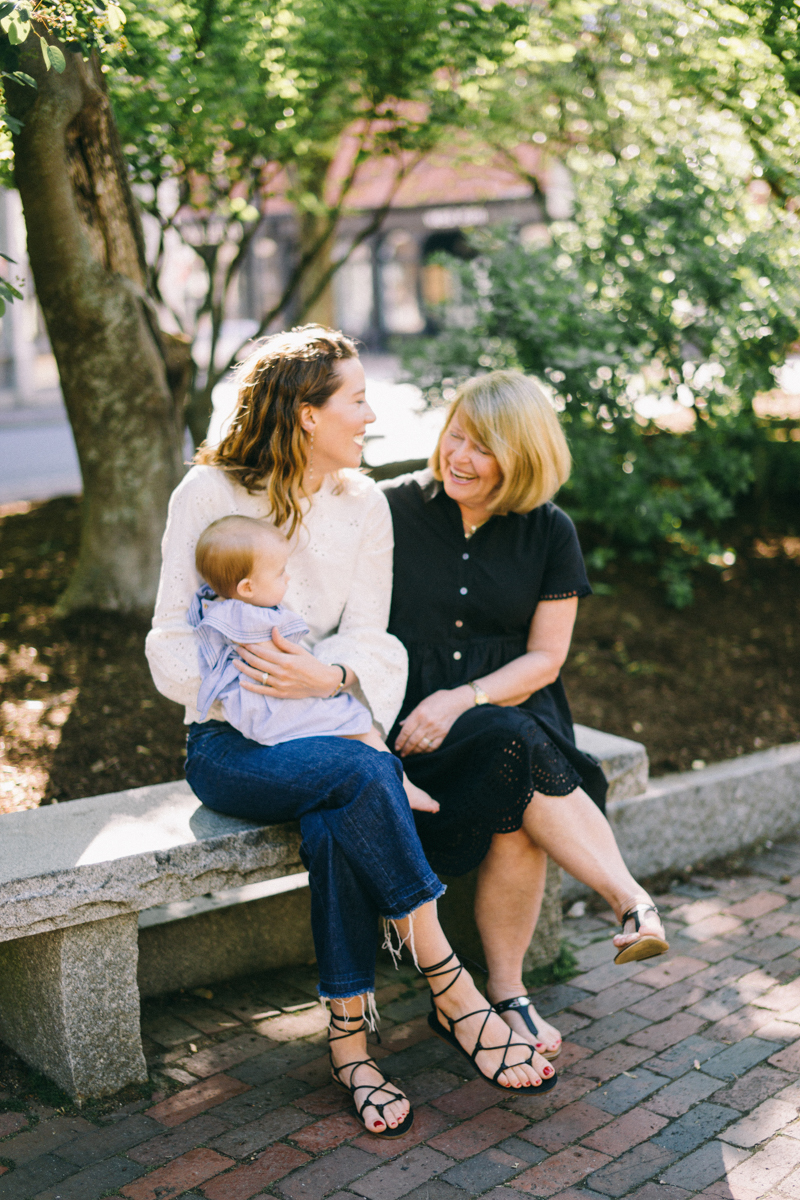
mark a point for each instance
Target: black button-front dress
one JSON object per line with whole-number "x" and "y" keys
{"x": 463, "y": 608}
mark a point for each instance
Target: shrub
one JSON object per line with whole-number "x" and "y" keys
{"x": 656, "y": 315}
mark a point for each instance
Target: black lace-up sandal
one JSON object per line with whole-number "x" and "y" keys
{"x": 447, "y": 1033}
{"x": 523, "y": 1005}
{"x": 648, "y": 945}
{"x": 344, "y": 1031}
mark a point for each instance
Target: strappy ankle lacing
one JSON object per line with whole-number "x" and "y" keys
{"x": 369, "y": 1088}
{"x": 646, "y": 946}
{"x": 449, "y": 1035}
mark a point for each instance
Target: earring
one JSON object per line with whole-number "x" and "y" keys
{"x": 311, "y": 457}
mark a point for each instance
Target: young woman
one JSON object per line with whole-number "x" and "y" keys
{"x": 289, "y": 457}
{"x": 487, "y": 577}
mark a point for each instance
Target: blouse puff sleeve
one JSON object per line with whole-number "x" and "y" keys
{"x": 171, "y": 647}
{"x": 360, "y": 639}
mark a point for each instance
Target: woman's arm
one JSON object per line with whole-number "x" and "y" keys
{"x": 549, "y": 637}
{"x": 171, "y": 646}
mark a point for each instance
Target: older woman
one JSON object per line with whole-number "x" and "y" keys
{"x": 289, "y": 457}
{"x": 488, "y": 573}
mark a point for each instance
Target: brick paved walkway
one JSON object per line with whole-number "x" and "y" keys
{"x": 679, "y": 1077}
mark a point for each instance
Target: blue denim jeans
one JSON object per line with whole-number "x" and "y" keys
{"x": 359, "y": 845}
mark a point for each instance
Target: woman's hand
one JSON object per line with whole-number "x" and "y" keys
{"x": 426, "y": 726}
{"x": 292, "y": 673}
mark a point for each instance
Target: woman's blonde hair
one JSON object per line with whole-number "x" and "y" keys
{"x": 266, "y": 447}
{"x": 510, "y": 414}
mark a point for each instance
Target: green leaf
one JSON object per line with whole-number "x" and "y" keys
{"x": 57, "y": 60}
{"x": 6, "y": 8}
{"x": 7, "y": 258}
{"x": 17, "y": 26}
{"x": 11, "y": 122}
{"x": 21, "y": 77}
{"x": 116, "y": 17}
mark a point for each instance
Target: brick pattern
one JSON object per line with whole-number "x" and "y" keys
{"x": 678, "y": 1078}
{"x": 196, "y": 1099}
{"x": 189, "y": 1170}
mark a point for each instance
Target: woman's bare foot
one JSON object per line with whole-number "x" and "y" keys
{"x": 547, "y": 1040}
{"x": 648, "y": 940}
{"x": 418, "y": 799}
{"x": 352, "y": 1048}
{"x": 463, "y": 997}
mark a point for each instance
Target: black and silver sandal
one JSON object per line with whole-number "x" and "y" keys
{"x": 369, "y": 1088}
{"x": 449, "y": 1035}
{"x": 523, "y": 1005}
{"x": 647, "y": 946}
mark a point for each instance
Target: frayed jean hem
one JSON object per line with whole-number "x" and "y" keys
{"x": 345, "y": 991}
{"x": 410, "y": 905}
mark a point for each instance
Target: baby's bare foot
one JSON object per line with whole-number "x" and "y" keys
{"x": 418, "y": 799}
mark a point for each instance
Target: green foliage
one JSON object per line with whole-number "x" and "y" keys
{"x": 224, "y": 105}
{"x": 8, "y": 293}
{"x": 561, "y": 969}
{"x": 593, "y": 76}
{"x": 668, "y": 301}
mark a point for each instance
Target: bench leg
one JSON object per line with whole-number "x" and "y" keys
{"x": 69, "y": 1005}
{"x": 546, "y": 942}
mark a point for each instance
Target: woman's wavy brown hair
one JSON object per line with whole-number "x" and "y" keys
{"x": 266, "y": 447}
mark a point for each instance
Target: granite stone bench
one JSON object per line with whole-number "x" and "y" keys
{"x": 73, "y": 881}
{"x": 146, "y": 891}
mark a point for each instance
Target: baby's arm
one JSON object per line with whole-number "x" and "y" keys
{"x": 416, "y": 797}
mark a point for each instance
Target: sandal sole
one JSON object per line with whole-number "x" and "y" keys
{"x": 646, "y": 947}
{"x": 446, "y": 1036}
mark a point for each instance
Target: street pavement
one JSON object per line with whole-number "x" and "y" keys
{"x": 678, "y": 1078}
{"x": 38, "y": 456}
{"x": 39, "y": 460}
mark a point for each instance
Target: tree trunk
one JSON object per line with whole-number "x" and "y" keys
{"x": 319, "y": 310}
{"x": 87, "y": 257}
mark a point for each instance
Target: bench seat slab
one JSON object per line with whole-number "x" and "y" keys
{"x": 69, "y": 1005}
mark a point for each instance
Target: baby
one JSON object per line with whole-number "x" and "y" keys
{"x": 243, "y": 562}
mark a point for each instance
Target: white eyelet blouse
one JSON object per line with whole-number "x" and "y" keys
{"x": 340, "y": 570}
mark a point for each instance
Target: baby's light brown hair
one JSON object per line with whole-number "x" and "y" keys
{"x": 227, "y": 548}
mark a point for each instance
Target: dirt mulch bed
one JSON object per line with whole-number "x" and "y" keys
{"x": 713, "y": 681}
{"x": 80, "y": 715}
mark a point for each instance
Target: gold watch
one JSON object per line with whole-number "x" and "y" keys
{"x": 480, "y": 694}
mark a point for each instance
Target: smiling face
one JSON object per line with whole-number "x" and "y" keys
{"x": 470, "y": 472}
{"x": 340, "y": 424}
